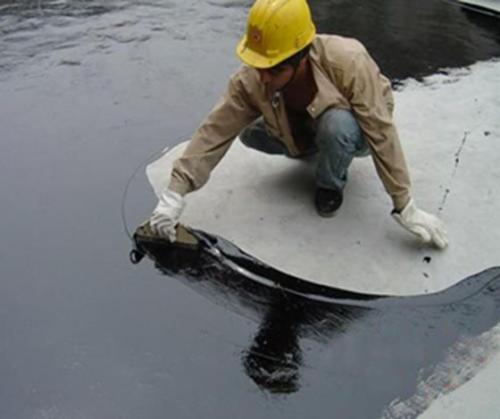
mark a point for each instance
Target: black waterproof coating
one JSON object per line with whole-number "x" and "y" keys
{"x": 379, "y": 344}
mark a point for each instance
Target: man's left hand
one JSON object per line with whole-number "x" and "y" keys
{"x": 427, "y": 227}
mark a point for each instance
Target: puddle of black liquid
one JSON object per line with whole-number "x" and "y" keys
{"x": 380, "y": 345}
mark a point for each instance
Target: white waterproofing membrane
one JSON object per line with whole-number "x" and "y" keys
{"x": 493, "y": 5}
{"x": 449, "y": 126}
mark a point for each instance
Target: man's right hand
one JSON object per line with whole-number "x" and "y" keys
{"x": 167, "y": 213}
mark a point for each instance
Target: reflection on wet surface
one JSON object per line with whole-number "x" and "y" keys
{"x": 412, "y": 38}
{"x": 34, "y": 28}
{"x": 87, "y": 90}
{"x": 408, "y": 39}
{"x": 40, "y": 8}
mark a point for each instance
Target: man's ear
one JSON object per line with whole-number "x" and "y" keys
{"x": 303, "y": 60}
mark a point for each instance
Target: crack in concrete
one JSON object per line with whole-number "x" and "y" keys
{"x": 455, "y": 167}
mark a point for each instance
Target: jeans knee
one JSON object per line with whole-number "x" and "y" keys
{"x": 339, "y": 126}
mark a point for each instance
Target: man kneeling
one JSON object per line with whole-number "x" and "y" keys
{"x": 300, "y": 93}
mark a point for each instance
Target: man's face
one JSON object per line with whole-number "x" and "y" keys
{"x": 275, "y": 78}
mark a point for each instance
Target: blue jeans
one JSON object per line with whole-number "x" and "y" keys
{"x": 337, "y": 141}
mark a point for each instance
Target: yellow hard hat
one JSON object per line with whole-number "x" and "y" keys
{"x": 276, "y": 30}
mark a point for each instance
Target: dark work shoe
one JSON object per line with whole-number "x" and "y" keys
{"x": 328, "y": 201}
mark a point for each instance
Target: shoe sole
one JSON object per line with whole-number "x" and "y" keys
{"x": 327, "y": 214}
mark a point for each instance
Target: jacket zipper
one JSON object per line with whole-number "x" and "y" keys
{"x": 275, "y": 103}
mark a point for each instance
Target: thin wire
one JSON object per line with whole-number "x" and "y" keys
{"x": 154, "y": 156}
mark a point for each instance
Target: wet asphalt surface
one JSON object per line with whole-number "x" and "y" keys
{"x": 88, "y": 90}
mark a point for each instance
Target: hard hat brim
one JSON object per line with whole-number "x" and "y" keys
{"x": 254, "y": 59}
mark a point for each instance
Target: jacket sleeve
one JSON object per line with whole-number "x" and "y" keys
{"x": 232, "y": 112}
{"x": 371, "y": 102}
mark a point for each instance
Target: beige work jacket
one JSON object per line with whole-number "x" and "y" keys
{"x": 346, "y": 77}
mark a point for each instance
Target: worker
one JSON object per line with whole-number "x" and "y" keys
{"x": 299, "y": 93}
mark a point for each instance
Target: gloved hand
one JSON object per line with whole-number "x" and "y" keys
{"x": 167, "y": 213}
{"x": 427, "y": 227}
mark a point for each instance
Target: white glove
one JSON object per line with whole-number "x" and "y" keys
{"x": 167, "y": 213}
{"x": 427, "y": 227}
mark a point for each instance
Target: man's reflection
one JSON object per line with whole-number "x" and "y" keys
{"x": 274, "y": 358}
